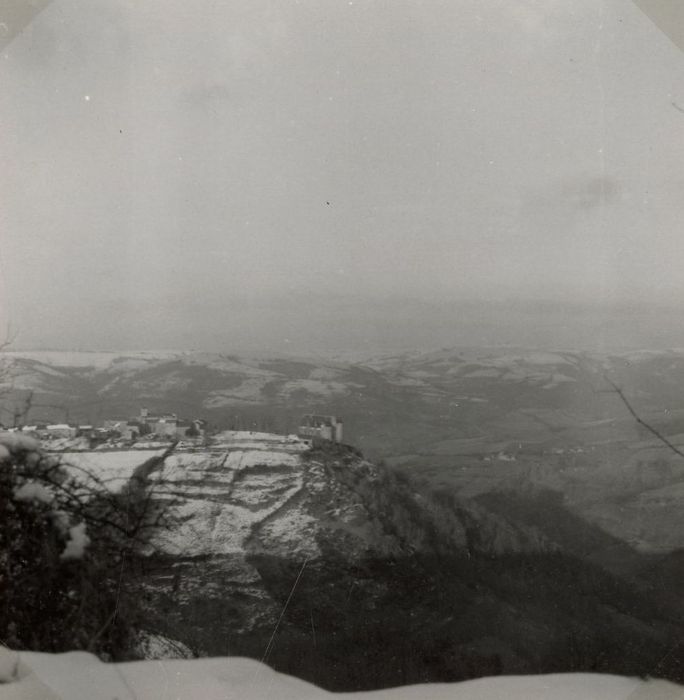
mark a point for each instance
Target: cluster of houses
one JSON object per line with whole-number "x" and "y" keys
{"x": 54, "y": 431}
{"x": 163, "y": 426}
{"x": 312, "y": 428}
{"x": 167, "y": 425}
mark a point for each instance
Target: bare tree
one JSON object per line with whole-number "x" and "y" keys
{"x": 68, "y": 550}
{"x": 69, "y": 547}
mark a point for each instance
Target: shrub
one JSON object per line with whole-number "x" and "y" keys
{"x": 67, "y": 551}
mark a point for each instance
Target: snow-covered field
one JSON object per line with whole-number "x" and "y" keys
{"x": 80, "y": 676}
{"x": 231, "y": 449}
{"x": 221, "y": 497}
{"x": 112, "y": 468}
{"x": 249, "y": 391}
{"x": 216, "y": 496}
{"x": 230, "y": 438}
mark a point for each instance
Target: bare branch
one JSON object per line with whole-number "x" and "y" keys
{"x": 21, "y": 412}
{"x": 642, "y": 422}
{"x": 10, "y": 337}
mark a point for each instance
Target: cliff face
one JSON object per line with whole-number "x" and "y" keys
{"x": 251, "y": 509}
{"x": 340, "y": 571}
{"x": 266, "y": 494}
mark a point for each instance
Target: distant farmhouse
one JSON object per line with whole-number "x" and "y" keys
{"x": 61, "y": 430}
{"x": 322, "y": 427}
{"x": 167, "y": 426}
{"x": 56, "y": 430}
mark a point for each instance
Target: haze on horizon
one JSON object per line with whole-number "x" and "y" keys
{"x": 326, "y": 176}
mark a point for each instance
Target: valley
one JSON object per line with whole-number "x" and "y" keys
{"x": 471, "y": 420}
{"x": 499, "y": 512}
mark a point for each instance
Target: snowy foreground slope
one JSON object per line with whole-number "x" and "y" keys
{"x": 80, "y": 676}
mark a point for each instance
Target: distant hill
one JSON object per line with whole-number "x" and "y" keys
{"x": 472, "y": 419}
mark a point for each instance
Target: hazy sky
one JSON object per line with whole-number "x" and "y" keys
{"x": 193, "y": 172}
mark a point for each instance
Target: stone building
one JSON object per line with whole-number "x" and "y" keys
{"x": 322, "y": 427}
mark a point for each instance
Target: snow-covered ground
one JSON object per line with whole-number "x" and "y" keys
{"x": 220, "y": 497}
{"x": 231, "y": 449}
{"x": 80, "y": 676}
{"x": 232, "y": 437}
{"x": 216, "y": 496}
{"x": 112, "y": 468}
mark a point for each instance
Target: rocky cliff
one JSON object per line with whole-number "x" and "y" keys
{"x": 341, "y": 571}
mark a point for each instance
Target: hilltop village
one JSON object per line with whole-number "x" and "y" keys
{"x": 148, "y": 429}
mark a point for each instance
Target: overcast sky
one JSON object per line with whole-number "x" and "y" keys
{"x": 190, "y": 173}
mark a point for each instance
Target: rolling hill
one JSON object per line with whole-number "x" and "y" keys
{"x": 472, "y": 420}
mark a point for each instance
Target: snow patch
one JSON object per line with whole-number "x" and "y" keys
{"x": 296, "y": 530}
{"x": 207, "y": 527}
{"x": 156, "y": 646}
{"x": 557, "y": 380}
{"x": 268, "y": 458}
{"x": 16, "y": 442}
{"x": 317, "y": 387}
{"x": 248, "y": 391}
{"x": 33, "y": 491}
{"x": 9, "y": 665}
{"x": 77, "y": 542}
{"x": 81, "y": 676}
{"x": 325, "y": 373}
{"x": 113, "y": 468}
